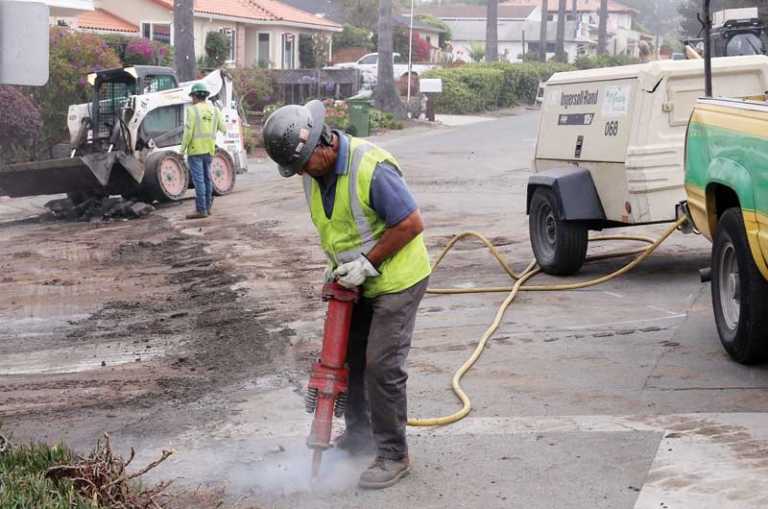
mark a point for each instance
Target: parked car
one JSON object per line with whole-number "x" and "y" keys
{"x": 368, "y": 65}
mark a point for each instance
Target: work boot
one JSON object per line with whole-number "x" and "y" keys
{"x": 356, "y": 444}
{"x": 197, "y": 215}
{"x": 384, "y": 473}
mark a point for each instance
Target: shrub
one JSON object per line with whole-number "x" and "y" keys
{"x": 20, "y": 124}
{"x": 468, "y": 89}
{"x": 72, "y": 56}
{"x": 521, "y": 81}
{"x": 353, "y": 37}
{"x": 252, "y": 138}
{"x": 139, "y": 51}
{"x": 420, "y": 47}
{"x": 336, "y": 114}
{"x": 216, "y": 49}
{"x": 605, "y": 61}
{"x": 254, "y": 86}
{"x": 382, "y": 120}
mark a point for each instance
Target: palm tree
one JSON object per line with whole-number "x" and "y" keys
{"x": 560, "y": 55}
{"x": 492, "y": 31}
{"x": 543, "y": 33}
{"x": 602, "y": 37}
{"x": 386, "y": 97}
{"x": 184, "y": 40}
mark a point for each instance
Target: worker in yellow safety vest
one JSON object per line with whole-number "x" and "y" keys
{"x": 371, "y": 231}
{"x": 202, "y": 121}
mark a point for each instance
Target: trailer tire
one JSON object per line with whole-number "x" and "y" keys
{"x": 739, "y": 292}
{"x": 560, "y": 246}
{"x": 223, "y": 173}
{"x": 166, "y": 177}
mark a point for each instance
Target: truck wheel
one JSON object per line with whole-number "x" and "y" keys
{"x": 560, "y": 246}
{"x": 222, "y": 173}
{"x": 739, "y": 292}
{"x": 166, "y": 177}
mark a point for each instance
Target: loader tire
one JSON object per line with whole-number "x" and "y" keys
{"x": 560, "y": 246}
{"x": 166, "y": 178}
{"x": 739, "y": 292}
{"x": 223, "y": 173}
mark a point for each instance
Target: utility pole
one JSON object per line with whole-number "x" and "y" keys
{"x": 560, "y": 55}
{"x": 602, "y": 38}
{"x": 492, "y": 31}
{"x": 184, "y": 40}
{"x": 543, "y": 32}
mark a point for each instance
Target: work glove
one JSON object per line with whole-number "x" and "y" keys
{"x": 354, "y": 273}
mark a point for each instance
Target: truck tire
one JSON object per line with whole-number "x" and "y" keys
{"x": 560, "y": 246}
{"x": 166, "y": 178}
{"x": 739, "y": 292}
{"x": 223, "y": 173}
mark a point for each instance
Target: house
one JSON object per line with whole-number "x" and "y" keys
{"x": 623, "y": 36}
{"x": 261, "y": 32}
{"x": 518, "y": 31}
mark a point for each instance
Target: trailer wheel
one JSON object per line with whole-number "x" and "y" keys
{"x": 222, "y": 173}
{"x": 560, "y": 246}
{"x": 739, "y": 292}
{"x": 166, "y": 177}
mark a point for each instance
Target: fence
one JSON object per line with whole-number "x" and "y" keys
{"x": 297, "y": 86}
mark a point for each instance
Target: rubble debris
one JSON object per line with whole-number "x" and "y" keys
{"x": 102, "y": 477}
{"x": 97, "y": 209}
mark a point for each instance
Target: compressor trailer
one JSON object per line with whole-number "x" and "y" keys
{"x": 610, "y": 149}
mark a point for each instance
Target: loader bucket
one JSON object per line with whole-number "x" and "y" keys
{"x": 94, "y": 172}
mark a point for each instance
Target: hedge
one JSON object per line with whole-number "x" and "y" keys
{"x": 468, "y": 89}
{"x": 475, "y": 88}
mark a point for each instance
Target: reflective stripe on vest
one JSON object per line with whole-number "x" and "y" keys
{"x": 363, "y": 226}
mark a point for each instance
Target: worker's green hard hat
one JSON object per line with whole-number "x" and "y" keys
{"x": 199, "y": 89}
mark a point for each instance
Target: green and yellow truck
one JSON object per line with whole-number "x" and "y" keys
{"x": 726, "y": 182}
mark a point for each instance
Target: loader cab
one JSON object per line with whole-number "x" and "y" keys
{"x": 113, "y": 87}
{"x": 734, "y": 38}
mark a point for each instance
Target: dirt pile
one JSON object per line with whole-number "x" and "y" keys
{"x": 98, "y": 209}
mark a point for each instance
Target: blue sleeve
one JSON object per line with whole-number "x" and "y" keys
{"x": 390, "y": 197}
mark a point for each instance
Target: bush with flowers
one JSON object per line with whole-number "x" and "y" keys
{"x": 20, "y": 124}
{"x": 336, "y": 114}
{"x": 73, "y": 55}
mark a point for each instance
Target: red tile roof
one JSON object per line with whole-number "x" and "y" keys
{"x": 99, "y": 19}
{"x": 257, "y": 10}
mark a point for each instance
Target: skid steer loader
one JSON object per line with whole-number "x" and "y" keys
{"x": 127, "y": 141}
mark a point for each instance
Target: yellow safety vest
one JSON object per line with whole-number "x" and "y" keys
{"x": 202, "y": 122}
{"x": 354, "y": 227}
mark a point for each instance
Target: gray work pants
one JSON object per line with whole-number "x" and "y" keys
{"x": 379, "y": 341}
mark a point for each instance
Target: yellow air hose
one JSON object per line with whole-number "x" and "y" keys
{"x": 519, "y": 285}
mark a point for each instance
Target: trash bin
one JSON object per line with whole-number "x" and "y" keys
{"x": 359, "y": 110}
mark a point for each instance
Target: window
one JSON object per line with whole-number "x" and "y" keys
{"x": 160, "y": 32}
{"x": 288, "y": 51}
{"x": 164, "y": 125}
{"x": 154, "y": 83}
{"x": 263, "y": 58}
{"x": 369, "y": 60}
{"x": 231, "y": 34}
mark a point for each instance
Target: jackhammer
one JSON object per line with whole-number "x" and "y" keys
{"x": 329, "y": 383}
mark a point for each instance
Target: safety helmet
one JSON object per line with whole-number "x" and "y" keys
{"x": 292, "y": 133}
{"x": 200, "y": 90}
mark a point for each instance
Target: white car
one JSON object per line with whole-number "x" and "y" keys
{"x": 368, "y": 65}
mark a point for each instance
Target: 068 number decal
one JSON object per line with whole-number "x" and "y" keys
{"x": 612, "y": 128}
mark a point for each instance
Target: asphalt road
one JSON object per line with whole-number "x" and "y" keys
{"x": 617, "y": 396}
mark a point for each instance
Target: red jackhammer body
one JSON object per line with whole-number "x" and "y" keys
{"x": 329, "y": 382}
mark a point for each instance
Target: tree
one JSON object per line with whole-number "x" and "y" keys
{"x": 543, "y": 32}
{"x": 361, "y": 13}
{"x": 386, "y": 97}
{"x": 184, "y": 39}
{"x": 560, "y": 54}
{"x": 216, "y": 49}
{"x": 492, "y": 31}
{"x": 602, "y": 29}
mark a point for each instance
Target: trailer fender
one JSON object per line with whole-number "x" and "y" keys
{"x": 575, "y": 191}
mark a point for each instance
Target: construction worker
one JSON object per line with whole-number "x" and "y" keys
{"x": 202, "y": 122}
{"x": 371, "y": 230}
